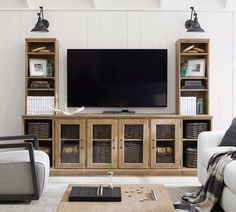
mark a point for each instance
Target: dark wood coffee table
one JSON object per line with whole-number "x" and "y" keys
{"x": 131, "y": 201}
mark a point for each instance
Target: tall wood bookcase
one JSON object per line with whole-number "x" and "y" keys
{"x": 192, "y": 80}
{"x": 41, "y": 90}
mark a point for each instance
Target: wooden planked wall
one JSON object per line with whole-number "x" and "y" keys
{"x": 117, "y": 29}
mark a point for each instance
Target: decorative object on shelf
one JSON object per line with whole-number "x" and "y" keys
{"x": 192, "y": 25}
{"x": 38, "y": 67}
{"x": 191, "y": 157}
{"x": 200, "y": 106}
{"x": 42, "y": 24}
{"x": 196, "y": 67}
{"x": 188, "y": 105}
{"x": 70, "y": 149}
{"x": 40, "y": 129}
{"x": 192, "y": 84}
{"x": 184, "y": 67}
{"x": 188, "y": 48}
{"x": 165, "y": 131}
{"x": 165, "y": 155}
{"x": 193, "y": 129}
{"x": 45, "y": 149}
{"x": 199, "y": 50}
{"x": 50, "y": 69}
{"x": 39, "y": 84}
{"x": 66, "y": 112}
{"x": 193, "y": 49}
{"x": 39, "y": 105}
{"x": 38, "y": 49}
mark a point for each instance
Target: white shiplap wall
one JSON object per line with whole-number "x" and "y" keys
{"x": 117, "y": 29}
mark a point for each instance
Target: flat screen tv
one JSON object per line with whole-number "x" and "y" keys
{"x": 117, "y": 77}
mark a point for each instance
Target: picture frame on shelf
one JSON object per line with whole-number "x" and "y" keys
{"x": 37, "y": 67}
{"x": 196, "y": 67}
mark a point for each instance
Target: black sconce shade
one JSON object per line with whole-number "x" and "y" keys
{"x": 193, "y": 25}
{"x": 42, "y": 24}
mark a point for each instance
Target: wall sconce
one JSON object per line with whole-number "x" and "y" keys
{"x": 192, "y": 24}
{"x": 42, "y": 24}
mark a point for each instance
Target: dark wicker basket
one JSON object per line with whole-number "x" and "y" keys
{"x": 191, "y": 157}
{"x": 101, "y": 152}
{"x": 40, "y": 129}
{"x": 134, "y": 131}
{"x": 133, "y": 152}
{"x": 165, "y": 131}
{"x": 70, "y": 131}
{"x": 70, "y": 157}
{"x": 165, "y": 158}
{"x": 101, "y": 131}
{"x": 192, "y": 130}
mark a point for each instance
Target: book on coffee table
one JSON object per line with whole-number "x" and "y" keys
{"x": 90, "y": 194}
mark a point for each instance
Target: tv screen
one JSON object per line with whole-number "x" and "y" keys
{"x": 117, "y": 77}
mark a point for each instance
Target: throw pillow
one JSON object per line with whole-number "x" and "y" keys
{"x": 229, "y": 138}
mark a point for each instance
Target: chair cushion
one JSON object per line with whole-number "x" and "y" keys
{"x": 229, "y": 138}
{"x": 15, "y": 174}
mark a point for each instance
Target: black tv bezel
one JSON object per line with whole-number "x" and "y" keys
{"x": 120, "y": 106}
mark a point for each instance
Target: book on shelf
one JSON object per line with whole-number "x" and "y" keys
{"x": 188, "y": 105}
{"x": 39, "y": 105}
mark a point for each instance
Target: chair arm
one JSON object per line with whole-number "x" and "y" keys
{"x": 209, "y": 139}
{"x": 19, "y": 137}
{"x": 205, "y": 140}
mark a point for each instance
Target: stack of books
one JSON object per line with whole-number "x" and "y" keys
{"x": 193, "y": 84}
{"x": 188, "y": 105}
{"x": 39, "y": 105}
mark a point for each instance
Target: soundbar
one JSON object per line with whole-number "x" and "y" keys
{"x": 118, "y": 111}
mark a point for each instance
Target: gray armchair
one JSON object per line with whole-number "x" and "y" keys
{"x": 24, "y": 170}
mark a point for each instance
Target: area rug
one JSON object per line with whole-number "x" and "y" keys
{"x": 57, "y": 186}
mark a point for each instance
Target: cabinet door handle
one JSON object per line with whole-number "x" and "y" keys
{"x": 81, "y": 144}
{"x": 113, "y": 143}
{"x": 153, "y": 143}
{"x": 121, "y": 143}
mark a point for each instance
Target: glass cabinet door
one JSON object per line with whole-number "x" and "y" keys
{"x": 102, "y": 143}
{"x": 165, "y": 143}
{"x": 70, "y": 144}
{"x": 133, "y": 144}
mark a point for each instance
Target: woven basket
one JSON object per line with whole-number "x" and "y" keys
{"x": 70, "y": 157}
{"x": 192, "y": 130}
{"x": 165, "y": 158}
{"x": 101, "y": 152}
{"x": 102, "y": 131}
{"x": 134, "y": 131}
{"x": 133, "y": 152}
{"x": 165, "y": 131}
{"x": 40, "y": 129}
{"x": 191, "y": 157}
{"x": 70, "y": 131}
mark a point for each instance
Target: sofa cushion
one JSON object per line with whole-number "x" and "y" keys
{"x": 208, "y": 152}
{"x": 229, "y": 138}
{"x": 230, "y": 176}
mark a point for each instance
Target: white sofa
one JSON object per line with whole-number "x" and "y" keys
{"x": 208, "y": 145}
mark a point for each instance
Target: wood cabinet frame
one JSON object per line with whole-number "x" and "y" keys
{"x": 122, "y": 123}
{"x": 176, "y": 123}
{"x": 114, "y": 136}
{"x": 82, "y": 146}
